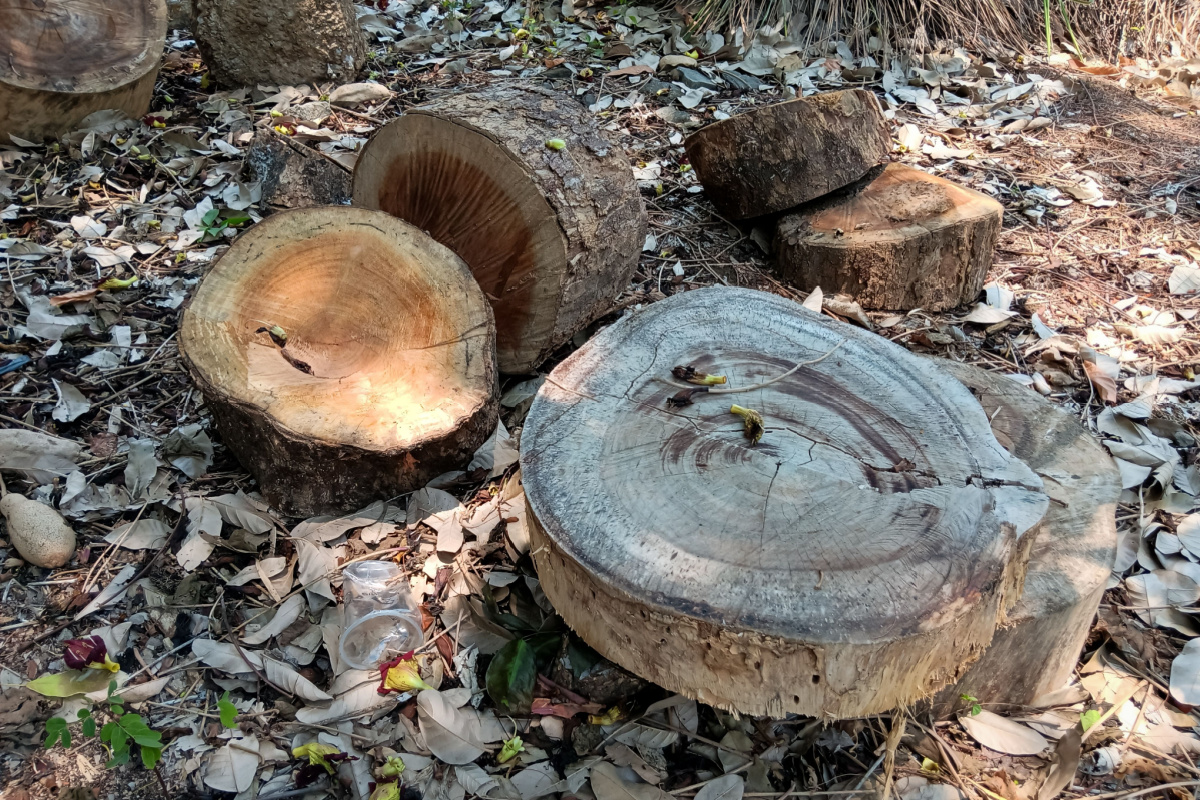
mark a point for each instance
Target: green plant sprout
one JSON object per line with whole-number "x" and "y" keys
{"x": 118, "y": 734}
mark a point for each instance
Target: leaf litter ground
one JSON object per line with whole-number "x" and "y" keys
{"x": 1090, "y": 301}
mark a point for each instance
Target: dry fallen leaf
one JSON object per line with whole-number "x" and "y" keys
{"x": 1003, "y": 735}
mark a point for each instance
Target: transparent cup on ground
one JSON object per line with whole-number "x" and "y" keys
{"x": 379, "y": 619}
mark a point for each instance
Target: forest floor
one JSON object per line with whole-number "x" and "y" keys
{"x": 1098, "y": 169}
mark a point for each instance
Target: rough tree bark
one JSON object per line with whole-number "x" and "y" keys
{"x": 854, "y": 560}
{"x": 1035, "y": 651}
{"x": 387, "y": 376}
{"x": 294, "y": 176}
{"x": 774, "y": 158}
{"x": 522, "y": 184}
{"x": 288, "y": 42}
{"x": 902, "y": 240}
{"x": 62, "y": 60}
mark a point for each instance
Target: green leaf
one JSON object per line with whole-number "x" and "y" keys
{"x": 150, "y": 756}
{"x": 210, "y": 217}
{"x": 139, "y": 731}
{"x": 55, "y": 728}
{"x": 238, "y": 220}
{"x": 511, "y": 676}
{"x": 89, "y": 726}
{"x": 83, "y": 713}
{"x": 1089, "y": 718}
{"x": 71, "y": 682}
{"x": 556, "y": 144}
{"x": 228, "y": 711}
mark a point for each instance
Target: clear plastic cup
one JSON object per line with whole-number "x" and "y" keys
{"x": 380, "y": 621}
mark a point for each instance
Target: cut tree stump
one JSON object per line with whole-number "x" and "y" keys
{"x": 854, "y": 560}
{"x": 280, "y": 42}
{"x": 905, "y": 239}
{"x": 1034, "y": 653}
{"x": 387, "y": 377}
{"x": 294, "y": 176}
{"x": 62, "y": 60}
{"x": 775, "y": 158}
{"x": 522, "y": 184}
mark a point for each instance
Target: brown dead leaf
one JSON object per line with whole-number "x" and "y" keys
{"x": 1105, "y": 386}
{"x": 1098, "y": 69}
{"x": 74, "y": 297}
{"x": 1066, "y": 763}
{"x": 632, "y": 69}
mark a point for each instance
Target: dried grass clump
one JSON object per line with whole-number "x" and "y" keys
{"x": 1108, "y": 28}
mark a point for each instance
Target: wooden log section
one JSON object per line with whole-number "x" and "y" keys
{"x": 552, "y": 235}
{"x": 1035, "y": 651}
{"x": 386, "y": 377}
{"x": 775, "y": 158}
{"x": 904, "y": 240}
{"x": 853, "y": 560}
{"x": 248, "y": 42}
{"x": 61, "y": 60}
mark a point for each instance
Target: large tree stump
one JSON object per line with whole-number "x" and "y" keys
{"x": 1035, "y": 651}
{"x": 774, "y": 158}
{"x": 905, "y": 239}
{"x": 247, "y": 42}
{"x": 387, "y": 376}
{"x": 851, "y": 561}
{"x": 522, "y": 184}
{"x": 62, "y": 60}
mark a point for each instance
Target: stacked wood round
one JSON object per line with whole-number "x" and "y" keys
{"x": 852, "y": 561}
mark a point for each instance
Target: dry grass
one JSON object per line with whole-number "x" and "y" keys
{"x": 1107, "y": 28}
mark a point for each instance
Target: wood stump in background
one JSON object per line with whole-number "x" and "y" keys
{"x": 62, "y": 60}
{"x": 1036, "y": 650}
{"x": 852, "y": 561}
{"x": 775, "y": 158}
{"x": 522, "y": 184}
{"x": 903, "y": 240}
{"x": 386, "y": 377}
{"x": 280, "y": 42}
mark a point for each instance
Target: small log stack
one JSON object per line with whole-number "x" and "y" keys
{"x": 61, "y": 60}
{"x": 345, "y": 357}
{"x": 905, "y": 239}
{"x": 894, "y": 238}
{"x": 1035, "y": 651}
{"x": 852, "y": 561}
{"x": 523, "y": 186}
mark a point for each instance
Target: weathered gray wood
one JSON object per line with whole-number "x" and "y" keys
{"x": 248, "y": 42}
{"x": 1036, "y": 649}
{"x": 61, "y": 60}
{"x": 852, "y": 561}
{"x": 774, "y": 158}
{"x": 388, "y": 376}
{"x": 904, "y": 240}
{"x": 552, "y": 235}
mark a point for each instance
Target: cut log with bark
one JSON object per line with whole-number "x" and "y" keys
{"x": 853, "y": 559}
{"x": 279, "y": 42}
{"x": 61, "y": 61}
{"x": 1035, "y": 651}
{"x": 775, "y": 158}
{"x": 904, "y": 239}
{"x": 294, "y": 176}
{"x": 345, "y": 357}
{"x": 522, "y": 184}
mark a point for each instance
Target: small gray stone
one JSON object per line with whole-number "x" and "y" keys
{"x": 694, "y": 79}
{"x": 316, "y": 111}
{"x": 739, "y": 82}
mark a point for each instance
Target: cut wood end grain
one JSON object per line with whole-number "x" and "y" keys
{"x": 902, "y": 239}
{"x": 386, "y": 375}
{"x": 852, "y": 560}
{"x": 63, "y": 60}
{"x": 552, "y": 233}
